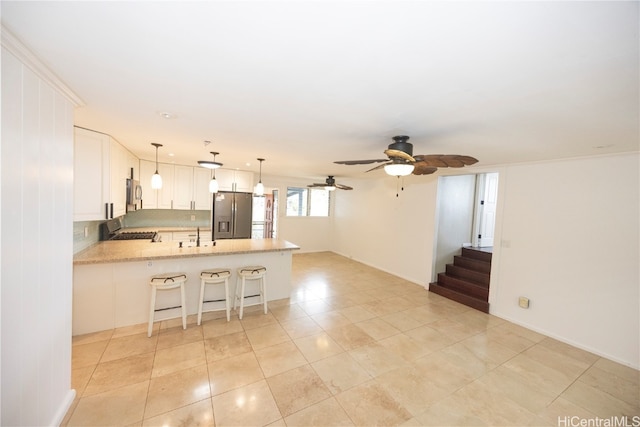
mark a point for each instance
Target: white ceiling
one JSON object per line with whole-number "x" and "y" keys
{"x": 306, "y": 83}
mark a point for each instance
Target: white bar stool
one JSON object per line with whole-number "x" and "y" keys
{"x": 164, "y": 282}
{"x": 214, "y": 276}
{"x": 252, "y": 272}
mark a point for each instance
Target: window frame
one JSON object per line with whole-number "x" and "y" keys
{"x": 307, "y": 204}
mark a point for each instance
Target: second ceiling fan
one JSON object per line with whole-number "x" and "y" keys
{"x": 330, "y": 184}
{"x": 400, "y": 160}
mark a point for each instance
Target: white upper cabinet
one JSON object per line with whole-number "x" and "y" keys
{"x": 101, "y": 169}
{"x": 157, "y": 199}
{"x": 119, "y": 172}
{"x": 183, "y": 187}
{"x": 149, "y": 196}
{"x": 235, "y": 180}
{"x": 201, "y": 197}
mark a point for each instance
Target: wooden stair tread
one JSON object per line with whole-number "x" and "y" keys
{"x": 467, "y": 300}
{"x": 467, "y": 279}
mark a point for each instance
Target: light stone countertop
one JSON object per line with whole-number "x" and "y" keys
{"x": 206, "y": 229}
{"x": 135, "y": 250}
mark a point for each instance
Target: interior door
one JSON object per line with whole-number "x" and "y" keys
{"x": 268, "y": 217}
{"x": 485, "y": 216}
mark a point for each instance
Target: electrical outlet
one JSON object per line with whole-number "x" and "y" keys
{"x": 523, "y": 302}
{"x": 193, "y": 217}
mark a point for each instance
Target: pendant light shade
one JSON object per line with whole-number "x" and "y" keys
{"x": 156, "y": 179}
{"x": 213, "y": 184}
{"x": 259, "y": 189}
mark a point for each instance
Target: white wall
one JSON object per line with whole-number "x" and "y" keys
{"x": 569, "y": 242}
{"x": 394, "y": 234}
{"x": 311, "y": 234}
{"x": 572, "y": 233}
{"x": 36, "y": 247}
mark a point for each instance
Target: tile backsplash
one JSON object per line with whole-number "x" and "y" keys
{"x": 140, "y": 218}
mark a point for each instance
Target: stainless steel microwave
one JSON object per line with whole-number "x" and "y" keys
{"x": 134, "y": 192}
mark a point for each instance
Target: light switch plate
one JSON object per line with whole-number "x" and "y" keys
{"x": 523, "y": 302}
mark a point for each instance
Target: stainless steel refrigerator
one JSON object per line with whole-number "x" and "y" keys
{"x": 231, "y": 215}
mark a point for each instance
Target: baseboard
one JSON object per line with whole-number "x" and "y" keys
{"x": 597, "y": 352}
{"x": 64, "y": 408}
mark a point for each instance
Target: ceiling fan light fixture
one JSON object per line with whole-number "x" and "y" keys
{"x": 330, "y": 187}
{"x": 156, "y": 179}
{"x": 399, "y": 169}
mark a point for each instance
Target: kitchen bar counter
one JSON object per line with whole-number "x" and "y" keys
{"x": 136, "y": 250}
{"x": 111, "y": 279}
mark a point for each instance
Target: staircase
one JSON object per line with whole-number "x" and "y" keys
{"x": 467, "y": 279}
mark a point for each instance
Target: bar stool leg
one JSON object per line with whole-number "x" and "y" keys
{"x": 152, "y": 311}
{"x": 201, "y": 301}
{"x": 242, "y": 298}
{"x": 263, "y": 292}
{"x": 184, "y": 307}
{"x": 226, "y": 297}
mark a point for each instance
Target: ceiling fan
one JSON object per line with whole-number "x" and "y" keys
{"x": 402, "y": 162}
{"x": 330, "y": 184}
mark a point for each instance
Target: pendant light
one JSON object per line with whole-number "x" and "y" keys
{"x": 213, "y": 184}
{"x": 259, "y": 190}
{"x": 156, "y": 179}
{"x": 210, "y": 164}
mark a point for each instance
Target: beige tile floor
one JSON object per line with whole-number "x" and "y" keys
{"x": 352, "y": 346}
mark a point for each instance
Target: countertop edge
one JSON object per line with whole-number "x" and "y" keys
{"x": 176, "y": 253}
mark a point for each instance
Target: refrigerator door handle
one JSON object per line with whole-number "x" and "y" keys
{"x": 233, "y": 216}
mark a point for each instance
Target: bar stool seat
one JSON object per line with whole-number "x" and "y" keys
{"x": 214, "y": 276}
{"x": 252, "y": 272}
{"x": 165, "y": 282}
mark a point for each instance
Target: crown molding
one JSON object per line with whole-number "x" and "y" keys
{"x": 30, "y": 60}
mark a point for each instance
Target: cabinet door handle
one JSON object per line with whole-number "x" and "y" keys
{"x": 111, "y": 210}
{"x": 106, "y": 211}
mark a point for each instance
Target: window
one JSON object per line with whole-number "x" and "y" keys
{"x": 307, "y": 202}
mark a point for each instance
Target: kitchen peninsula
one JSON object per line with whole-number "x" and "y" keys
{"x": 110, "y": 278}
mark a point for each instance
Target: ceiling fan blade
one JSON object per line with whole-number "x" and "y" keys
{"x": 397, "y": 153}
{"x": 468, "y": 160}
{"x": 423, "y": 168}
{"x": 453, "y": 163}
{"x": 317, "y": 185}
{"x": 343, "y": 187}
{"x": 432, "y": 160}
{"x": 446, "y": 160}
{"x": 379, "y": 167}
{"x": 360, "y": 162}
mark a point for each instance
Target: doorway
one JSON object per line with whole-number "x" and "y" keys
{"x": 465, "y": 215}
{"x": 264, "y": 216}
